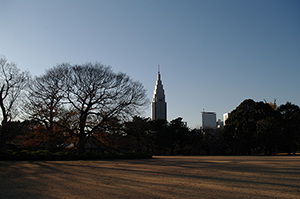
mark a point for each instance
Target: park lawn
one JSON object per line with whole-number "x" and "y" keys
{"x": 159, "y": 177}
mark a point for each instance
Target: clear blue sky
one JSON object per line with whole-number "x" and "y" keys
{"x": 213, "y": 54}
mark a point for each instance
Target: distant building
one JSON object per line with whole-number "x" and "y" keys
{"x": 209, "y": 120}
{"x": 225, "y": 117}
{"x": 220, "y": 124}
{"x": 158, "y": 105}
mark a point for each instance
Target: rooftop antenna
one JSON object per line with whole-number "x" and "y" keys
{"x": 158, "y": 69}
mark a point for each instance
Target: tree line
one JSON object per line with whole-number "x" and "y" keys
{"x": 260, "y": 127}
{"x": 73, "y": 103}
{"x": 90, "y": 108}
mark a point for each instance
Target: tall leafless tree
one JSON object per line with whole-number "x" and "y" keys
{"x": 12, "y": 84}
{"x": 93, "y": 94}
{"x": 45, "y": 104}
{"x": 98, "y": 94}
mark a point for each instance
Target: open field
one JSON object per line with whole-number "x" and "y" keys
{"x": 160, "y": 177}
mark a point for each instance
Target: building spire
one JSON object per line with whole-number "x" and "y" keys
{"x": 158, "y": 105}
{"x": 158, "y": 75}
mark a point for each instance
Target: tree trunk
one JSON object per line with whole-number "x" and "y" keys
{"x": 3, "y": 133}
{"x": 82, "y": 136}
{"x": 3, "y": 137}
{"x": 81, "y": 143}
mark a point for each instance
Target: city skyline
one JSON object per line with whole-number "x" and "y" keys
{"x": 213, "y": 54}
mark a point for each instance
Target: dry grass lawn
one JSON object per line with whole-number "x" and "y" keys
{"x": 160, "y": 177}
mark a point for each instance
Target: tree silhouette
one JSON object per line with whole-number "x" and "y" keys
{"x": 45, "y": 106}
{"x": 138, "y": 134}
{"x": 290, "y": 127}
{"x": 240, "y": 130}
{"x": 89, "y": 96}
{"x": 12, "y": 84}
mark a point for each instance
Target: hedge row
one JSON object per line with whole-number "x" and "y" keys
{"x": 46, "y": 155}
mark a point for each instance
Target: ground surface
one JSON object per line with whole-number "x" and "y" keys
{"x": 160, "y": 177}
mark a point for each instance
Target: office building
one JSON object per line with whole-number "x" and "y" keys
{"x": 158, "y": 105}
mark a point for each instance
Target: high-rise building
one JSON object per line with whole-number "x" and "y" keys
{"x": 158, "y": 105}
{"x": 225, "y": 117}
{"x": 209, "y": 120}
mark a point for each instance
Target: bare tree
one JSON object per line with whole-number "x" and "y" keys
{"x": 97, "y": 94}
{"x": 45, "y": 104}
{"x": 12, "y": 84}
{"x": 93, "y": 94}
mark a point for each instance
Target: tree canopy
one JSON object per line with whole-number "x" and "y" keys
{"x": 259, "y": 126}
{"x": 81, "y": 99}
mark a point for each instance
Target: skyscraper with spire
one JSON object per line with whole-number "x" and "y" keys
{"x": 158, "y": 105}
